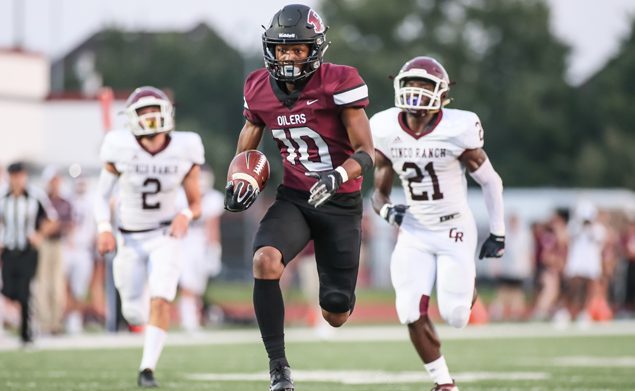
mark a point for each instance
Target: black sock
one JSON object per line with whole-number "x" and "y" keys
{"x": 269, "y": 308}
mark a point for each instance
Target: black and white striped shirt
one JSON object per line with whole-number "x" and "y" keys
{"x": 21, "y": 216}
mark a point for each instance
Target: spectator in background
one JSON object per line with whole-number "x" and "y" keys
{"x": 553, "y": 243}
{"x": 26, "y": 216}
{"x": 601, "y": 290}
{"x": 79, "y": 256}
{"x": 50, "y": 288}
{"x": 629, "y": 250}
{"x": 514, "y": 273}
{"x": 3, "y": 180}
{"x": 584, "y": 263}
{"x": 202, "y": 252}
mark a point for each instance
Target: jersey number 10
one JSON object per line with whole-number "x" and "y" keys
{"x": 304, "y": 146}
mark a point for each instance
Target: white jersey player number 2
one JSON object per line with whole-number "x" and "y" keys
{"x": 415, "y": 175}
{"x": 151, "y": 186}
{"x": 305, "y": 146}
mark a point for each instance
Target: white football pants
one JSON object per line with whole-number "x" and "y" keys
{"x": 153, "y": 257}
{"x": 423, "y": 256}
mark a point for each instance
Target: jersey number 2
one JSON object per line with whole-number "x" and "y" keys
{"x": 154, "y": 186}
{"x": 418, "y": 177}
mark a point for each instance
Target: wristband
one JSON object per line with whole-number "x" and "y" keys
{"x": 104, "y": 226}
{"x": 383, "y": 212}
{"x": 343, "y": 173}
{"x": 187, "y": 212}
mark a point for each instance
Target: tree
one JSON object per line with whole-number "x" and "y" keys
{"x": 605, "y": 118}
{"x": 204, "y": 74}
{"x": 506, "y": 65}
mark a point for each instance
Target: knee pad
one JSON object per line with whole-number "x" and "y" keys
{"x": 336, "y": 302}
{"x": 459, "y": 317}
{"x": 134, "y": 313}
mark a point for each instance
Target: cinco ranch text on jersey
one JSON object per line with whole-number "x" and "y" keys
{"x": 156, "y": 169}
{"x": 417, "y": 152}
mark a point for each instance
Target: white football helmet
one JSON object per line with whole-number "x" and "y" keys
{"x": 149, "y": 123}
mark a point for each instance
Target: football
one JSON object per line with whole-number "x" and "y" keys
{"x": 251, "y": 167}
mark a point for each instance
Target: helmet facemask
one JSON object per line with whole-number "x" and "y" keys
{"x": 150, "y": 123}
{"x": 291, "y": 71}
{"x": 412, "y": 98}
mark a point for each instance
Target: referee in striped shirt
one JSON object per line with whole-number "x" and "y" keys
{"x": 26, "y": 216}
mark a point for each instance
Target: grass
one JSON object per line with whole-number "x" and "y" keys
{"x": 241, "y": 292}
{"x": 115, "y": 369}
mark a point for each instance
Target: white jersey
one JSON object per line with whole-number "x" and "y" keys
{"x": 428, "y": 164}
{"x": 149, "y": 183}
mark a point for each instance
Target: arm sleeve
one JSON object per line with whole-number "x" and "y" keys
{"x": 492, "y": 187}
{"x": 107, "y": 181}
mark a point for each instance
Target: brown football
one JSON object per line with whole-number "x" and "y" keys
{"x": 251, "y": 167}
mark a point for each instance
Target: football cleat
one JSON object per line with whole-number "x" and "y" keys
{"x": 281, "y": 379}
{"x": 445, "y": 387}
{"x": 146, "y": 379}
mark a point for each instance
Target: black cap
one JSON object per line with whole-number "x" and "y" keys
{"x": 16, "y": 167}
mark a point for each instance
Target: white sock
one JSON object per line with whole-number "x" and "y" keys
{"x": 439, "y": 371}
{"x": 188, "y": 312}
{"x": 152, "y": 346}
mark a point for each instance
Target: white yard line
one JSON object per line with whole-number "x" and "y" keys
{"x": 369, "y": 377}
{"x": 345, "y": 334}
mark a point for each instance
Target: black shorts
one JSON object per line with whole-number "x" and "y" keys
{"x": 334, "y": 227}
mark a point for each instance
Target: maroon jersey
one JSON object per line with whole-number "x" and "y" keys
{"x": 306, "y": 124}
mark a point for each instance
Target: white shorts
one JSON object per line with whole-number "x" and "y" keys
{"x": 151, "y": 257}
{"x": 423, "y": 256}
{"x": 200, "y": 263}
{"x": 78, "y": 265}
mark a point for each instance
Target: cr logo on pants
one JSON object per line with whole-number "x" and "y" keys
{"x": 456, "y": 235}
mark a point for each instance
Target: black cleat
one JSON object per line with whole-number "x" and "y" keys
{"x": 281, "y": 379}
{"x": 146, "y": 379}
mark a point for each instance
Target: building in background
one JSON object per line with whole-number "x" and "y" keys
{"x": 43, "y": 128}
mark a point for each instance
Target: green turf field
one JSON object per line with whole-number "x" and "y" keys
{"x": 510, "y": 363}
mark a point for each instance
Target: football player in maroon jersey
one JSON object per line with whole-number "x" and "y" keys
{"x": 315, "y": 112}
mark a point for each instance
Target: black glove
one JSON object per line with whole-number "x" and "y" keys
{"x": 493, "y": 247}
{"x": 327, "y": 184}
{"x": 393, "y": 214}
{"x": 237, "y": 202}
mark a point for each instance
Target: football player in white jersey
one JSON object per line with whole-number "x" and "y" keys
{"x": 202, "y": 247}
{"x": 149, "y": 163}
{"x": 429, "y": 148}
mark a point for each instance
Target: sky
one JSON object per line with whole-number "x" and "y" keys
{"x": 54, "y": 27}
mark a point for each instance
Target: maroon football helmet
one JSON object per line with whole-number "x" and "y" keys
{"x": 149, "y": 123}
{"x": 411, "y": 98}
